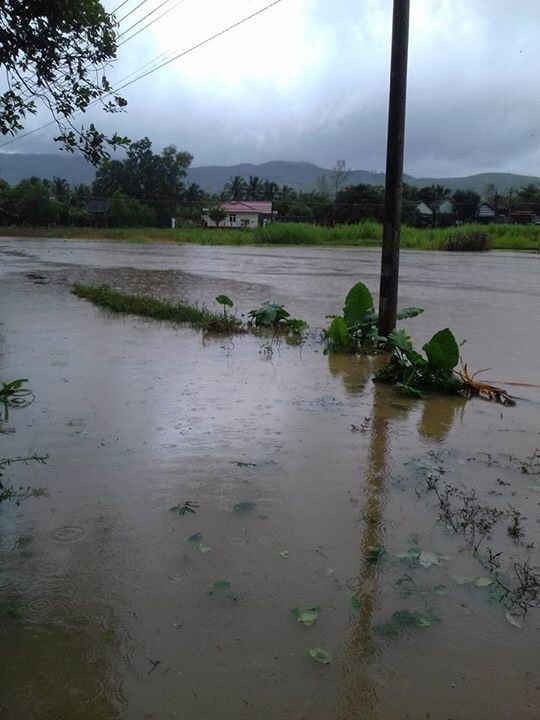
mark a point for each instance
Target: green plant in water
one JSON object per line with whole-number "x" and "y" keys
{"x": 226, "y": 301}
{"x": 356, "y": 330}
{"x": 274, "y": 316}
{"x": 413, "y": 373}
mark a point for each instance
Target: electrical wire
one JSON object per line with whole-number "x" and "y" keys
{"x": 163, "y": 64}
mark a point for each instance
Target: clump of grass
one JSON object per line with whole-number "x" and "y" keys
{"x": 159, "y": 309}
{"x": 472, "y": 241}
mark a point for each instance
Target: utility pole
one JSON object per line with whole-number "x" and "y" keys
{"x": 394, "y": 169}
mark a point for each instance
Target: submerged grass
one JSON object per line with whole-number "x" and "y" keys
{"x": 363, "y": 234}
{"x": 158, "y": 309}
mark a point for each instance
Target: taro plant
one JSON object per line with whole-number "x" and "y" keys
{"x": 413, "y": 373}
{"x": 274, "y": 316}
{"x": 356, "y": 329}
{"x": 226, "y": 301}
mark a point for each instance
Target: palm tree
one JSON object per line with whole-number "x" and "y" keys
{"x": 254, "y": 188}
{"x": 270, "y": 190}
{"x": 235, "y": 188}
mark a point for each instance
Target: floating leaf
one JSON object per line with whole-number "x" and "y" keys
{"x": 307, "y": 616}
{"x": 321, "y": 656}
{"x": 404, "y": 617}
{"x": 409, "y": 312}
{"x": 196, "y": 537}
{"x": 355, "y": 602}
{"x": 513, "y": 620}
{"x": 284, "y": 554}
{"x": 186, "y": 507}
{"x": 358, "y": 304}
{"x": 374, "y": 554}
{"x": 427, "y": 559}
{"x": 483, "y": 582}
{"x": 244, "y": 506}
{"x": 204, "y": 548}
{"x": 219, "y": 585}
{"x": 411, "y": 555}
{"x": 440, "y": 590}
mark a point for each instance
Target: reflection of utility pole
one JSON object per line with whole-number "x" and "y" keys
{"x": 394, "y": 168}
{"x": 358, "y": 698}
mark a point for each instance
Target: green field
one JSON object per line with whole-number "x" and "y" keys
{"x": 367, "y": 234}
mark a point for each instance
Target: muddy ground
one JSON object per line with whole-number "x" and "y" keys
{"x": 303, "y": 471}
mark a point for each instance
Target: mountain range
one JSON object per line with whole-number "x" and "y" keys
{"x": 298, "y": 175}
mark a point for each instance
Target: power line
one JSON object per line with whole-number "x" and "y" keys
{"x": 201, "y": 44}
{"x": 138, "y": 22}
{"x": 179, "y": 55}
{"x": 117, "y": 8}
{"x": 143, "y": 2}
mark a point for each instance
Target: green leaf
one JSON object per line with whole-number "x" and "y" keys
{"x": 404, "y": 617}
{"x": 355, "y": 602}
{"x": 482, "y": 582}
{"x": 374, "y": 554}
{"x": 358, "y": 304}
{"x": 409, "y": 312}
{"x": 224, "y": 300}
{"x": 204, "y": 549}
{"x": 388, "y": 629}
{"x": 321, "y": 656}
{"x": 338, "y": 334}
{"x": 219, "y": 585}
{"x": 400, "y": 339}
{"x": 427, "y": 559}
{"x": 306, "y": 616}
{"x": 442, "y": 350}
{"x": 244, "y": 506}
{"x": 284, "y": 554}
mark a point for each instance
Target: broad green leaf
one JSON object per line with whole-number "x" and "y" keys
{"x": 409, "y": 312}
{"x": 358, "y": 304}
{"x": 404, "y": 617}
{"x": 442, "y": 350}
{"x": 339, "y": 334}
{"x": 224, "y": 300}
{"x": 284, "y": 554}
{"x": 204, "y": 549}
{"x": 307, "y": 616}
{"x": 321, "y": 656}
{"x": 388, "y": 629}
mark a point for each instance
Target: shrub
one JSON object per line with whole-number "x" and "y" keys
{"x": 473, "y": 241}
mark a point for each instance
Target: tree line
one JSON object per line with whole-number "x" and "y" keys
{"x": 148, "y": 189}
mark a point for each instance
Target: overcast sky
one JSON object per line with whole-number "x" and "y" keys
{"x": 308, "y": 80}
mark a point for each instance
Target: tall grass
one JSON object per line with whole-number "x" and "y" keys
{"x": 367, "y": 233}
{"x": 158, "y": 309}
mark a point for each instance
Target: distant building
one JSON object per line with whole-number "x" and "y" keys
{"x": 523, "y": 217}
{"x": 424, "y": 214}
{"x": 242, "y": 214}
{"x": 486, "y": 213}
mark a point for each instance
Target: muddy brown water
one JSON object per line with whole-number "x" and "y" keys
{"x": 107, "y": 610}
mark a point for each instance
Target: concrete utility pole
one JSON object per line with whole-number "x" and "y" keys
{"x": 394, "y": 168}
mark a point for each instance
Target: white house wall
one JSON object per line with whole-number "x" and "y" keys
{"x": 251, "y": 218}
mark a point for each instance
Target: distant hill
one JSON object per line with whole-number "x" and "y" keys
{"x": 298, "y": 175}
{"x": 18, "y": 166}
{"x": 304, "y": 176}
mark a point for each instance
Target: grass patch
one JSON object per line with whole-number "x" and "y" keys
{"x": 363, "y": 234}
{"x": 466, "y": 242}
{"x": 158, "y": 309}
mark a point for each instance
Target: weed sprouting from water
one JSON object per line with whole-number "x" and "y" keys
{"x": 14, "y": 395}
{"x": 147, "y": 306}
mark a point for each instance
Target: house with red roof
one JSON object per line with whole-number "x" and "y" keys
{"x": 241, "y": 214}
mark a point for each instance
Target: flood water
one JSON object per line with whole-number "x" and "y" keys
{"x": 113, "y": 606}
